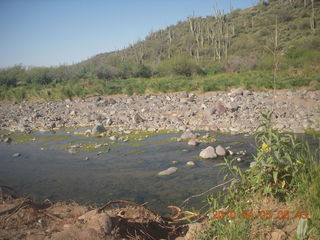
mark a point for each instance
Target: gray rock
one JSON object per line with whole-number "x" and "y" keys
{"x": 220, "y": 151}
{"x": 236, "y": 92}
{"x": 209, "y": 111}
{"x": 247, "y": 93}
{"x": 112, "y": 101}
{"x": 16, "y": 155}
{"x": 188, "y": 135}
{"x": 208, "y": 153}
{"x": 167, "y": 172}
{"x": 109, "y": 121}
{"x": 137, "y": 118}
{"x": 72, "y": 151}
{"x": 99, "y": 128}
{"x": 220, "y": 109}
{"x": 193, "y": 142}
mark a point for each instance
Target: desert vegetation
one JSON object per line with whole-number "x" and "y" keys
{"x": 198, "y": 54}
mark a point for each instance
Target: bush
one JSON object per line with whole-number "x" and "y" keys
{"x": 180, "y": 65}
{"x": 241, "y": 63}
{"x": 143, "y": 71}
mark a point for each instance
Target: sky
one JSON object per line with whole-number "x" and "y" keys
{"x": 56, "y": 32}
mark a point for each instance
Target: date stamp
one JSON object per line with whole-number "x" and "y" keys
{"x": 259, "y": 214}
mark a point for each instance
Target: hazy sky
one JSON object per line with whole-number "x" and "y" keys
{"x": 54, "y": 32}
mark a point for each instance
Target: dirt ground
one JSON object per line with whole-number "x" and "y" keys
{"x": 21, "y": 218}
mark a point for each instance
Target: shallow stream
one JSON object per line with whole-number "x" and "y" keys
{"x": 122, "y": 170}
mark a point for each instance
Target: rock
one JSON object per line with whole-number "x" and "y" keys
{"x": 7, "y": 140}
{"x": 113, "y": 138}
{"x": 109, "y": 122}
{"x": 99, "y": 128}
{"x": 112, "y": 101}
{"x": 239, "y": 159}
{"x": 167, "y": 172}
{"x": 87, "y": 132}
{"x": 278, "y": 235}
{"x": 236, "y": 92}
{"x": 184, "y": 95}
{"x": 137, "y": 118}
{"x": 208, "y": 112}
{"x": 16, "y": 155}
{"x": 230, "y": 153}
{"x": 253, "y": 164}
{"x": 220, "y": 151}
{"x": 188, "y": 135}
{"x": 86, "y": 158}
{"x": 220, "y": 109}
{"x": 193, "y": 142}
{"x": 184, "y": 100}
{"x": 208, "y": 152}
{"x": 194, "y": 230}
{"x": 233, "y": 107}
{"x": 247, "y": 93}
{"x": 72, "y": 151}
{"x": 190, "y": 163}
{"x": 97, "y": 221}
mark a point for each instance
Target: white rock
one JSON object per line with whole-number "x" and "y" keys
{"x": 113, "y": 138}
{"x": 16, "y": 155}
{"x": 208, "y": 152}
{"x": 190, "y": 163}
{"x": 167, "y": 172}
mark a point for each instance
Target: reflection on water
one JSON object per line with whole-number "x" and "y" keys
{"x": 128, "y": 171}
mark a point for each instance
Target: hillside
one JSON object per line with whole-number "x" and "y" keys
{"x": 242, "y": 48}
{"x": 240, "y": 40}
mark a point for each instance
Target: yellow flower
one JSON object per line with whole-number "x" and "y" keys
{"x": 299, "y": 162}
{"x": 265, "y": 147}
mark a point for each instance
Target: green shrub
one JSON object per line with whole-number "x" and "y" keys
{"x": 180, "y": 65}
{"x": 143, "y": 71}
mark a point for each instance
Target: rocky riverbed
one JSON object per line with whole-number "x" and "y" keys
{"x": 235, "y": 111}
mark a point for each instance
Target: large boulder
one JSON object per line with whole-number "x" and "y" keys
{"x": 208, "y": 153}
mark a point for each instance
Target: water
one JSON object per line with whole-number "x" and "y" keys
{"x": 128, "y": 171}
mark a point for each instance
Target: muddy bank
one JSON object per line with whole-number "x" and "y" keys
{"x": 236, "y": 111}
